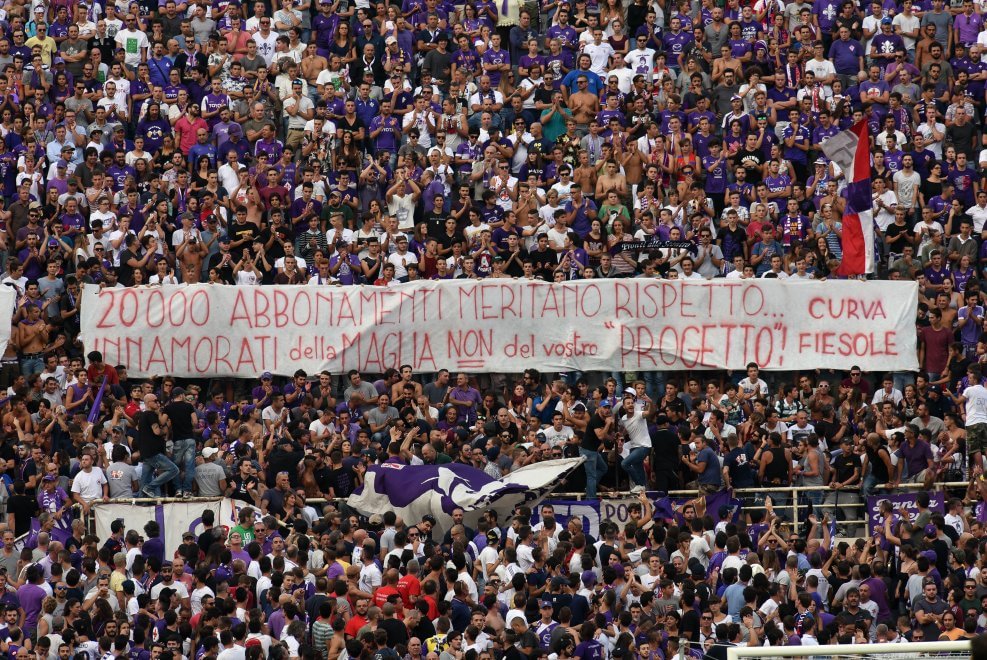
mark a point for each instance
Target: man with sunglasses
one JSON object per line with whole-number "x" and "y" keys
{"x": 133, "y": 41}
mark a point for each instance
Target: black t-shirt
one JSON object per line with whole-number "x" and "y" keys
{"x": 284, "y": 461}
{"x": 246, "y": 230}
{"x": 897, "y": 235}
{"x": 343, "y": 481}
{"x": 515, "y": 268}
{"x": 180, "y": 413}
{"x": 24, "y": 508}
{"x": 148, "y": 442}
{"x": 751, "y": 161}
{"x": 665, "y": 444}
{"x": 590, "y": 439}
{"x": 241, "y": 488}
{"x": 738, "y": 462}
{"x": 544, "y": 262}
{"x": 226, "y": 269}
{"x": 125, "y": 273}
{"x": 845, "y": 464}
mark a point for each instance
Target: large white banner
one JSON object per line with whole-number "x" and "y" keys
{"x": 173, "y": 518}
{"x": 504, "y": 326}
{"x": 8, "y": 301}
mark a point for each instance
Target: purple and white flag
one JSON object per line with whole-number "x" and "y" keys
{"x": 412, "y": 491}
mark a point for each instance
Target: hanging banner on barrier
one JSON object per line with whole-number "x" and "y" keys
{"x": 503, "y": 326}
{"x": 937, "y": 504}
{"x": 618, "y": 510}
{"x": 173, "y": 518}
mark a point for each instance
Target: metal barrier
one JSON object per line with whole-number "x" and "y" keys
{"x": 790, "y": 494}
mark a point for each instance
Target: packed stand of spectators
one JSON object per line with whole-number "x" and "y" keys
{"x": 303, "y": 575}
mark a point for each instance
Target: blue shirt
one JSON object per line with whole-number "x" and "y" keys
{"x": 594, "y": 83}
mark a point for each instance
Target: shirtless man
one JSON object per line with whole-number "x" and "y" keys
{"x": 726, "y": 62}
{"x": 633, "y": 162}
{"x": 19, "y": 417}
{"x": 611, "y": 179}
{"x": 585, "y": 174}
{"x": 584, "y": 104}
{"x": 31, "y": 337}
{"x": 312, "y": 65}
{"x": 190, "y": 251}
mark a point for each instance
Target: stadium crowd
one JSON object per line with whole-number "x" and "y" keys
{"x": 329, "y": 143}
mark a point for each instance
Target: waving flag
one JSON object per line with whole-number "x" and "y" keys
{"x": 94, "y": 412}
{"x": 850, "y": 149}
{"x": 412, "y": 491}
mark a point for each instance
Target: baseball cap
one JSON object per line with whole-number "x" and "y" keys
{"x": 266, "y": 376}
{"x": 209, "y": 452}
{"x": 930, "y": 530}
{"x": 49, "y": 477}
{"x": 588, "y": 577}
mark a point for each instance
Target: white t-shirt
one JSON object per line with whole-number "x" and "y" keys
{"x": 196, "y": 599}
{"x": 133, "y": 42}
{"x": 558, "y": 438}
{"x": 976, "y": 404}
{"x": 89, "y": 485}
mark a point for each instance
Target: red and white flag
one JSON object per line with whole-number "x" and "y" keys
{"x": 850, "y": 149}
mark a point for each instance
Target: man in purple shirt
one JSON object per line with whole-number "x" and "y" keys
{"x": 495, "y": 61}
{"x": 565, "y": 33}
{"x": 917, "y": 454}
{"x": 874, "y": 91}
{"x": 966, "y": 26}
{"x": 31, "y": 595}
{"x": 385, "y": 129}
{"x": 846, "y": 54}
{"x": 466, "y": 399}
{"x": 676, "y": 42}
{"x": 885, "y": 44}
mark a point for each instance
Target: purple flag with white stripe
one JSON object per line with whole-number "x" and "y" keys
{"x": 412, "y": 491}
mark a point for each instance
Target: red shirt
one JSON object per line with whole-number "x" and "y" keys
{"x": 383, "y": 593}
{"x": 410, "y": 588}
{"x": 354, "y": 624}
{"x": 97, "y": 377}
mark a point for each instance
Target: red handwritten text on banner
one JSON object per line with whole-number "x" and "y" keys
{"x": 504, "y": 326}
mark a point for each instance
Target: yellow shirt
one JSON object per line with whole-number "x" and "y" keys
{"x": 116, "y": 581}
{"x": 48, "y": 48}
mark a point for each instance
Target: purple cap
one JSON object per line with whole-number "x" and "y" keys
{"x": 588, "y": 577}
{"x": 58, "y": 60}
{"x": 931, "y": 531}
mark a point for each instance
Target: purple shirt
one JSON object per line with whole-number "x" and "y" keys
{"x": 967, "y": 27}
{"x": 496, "y": 57}
{"x": 825, "y": 12}
{"x": 466, "y": 414}
{"x": 387, "y": 139}
{"x": 31, "y": 596}
{"x": 675, "y": 45}
{"x": 845, "y": 55}
{"x": 567, "y": 35}
{"x": 917, "y": 458}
